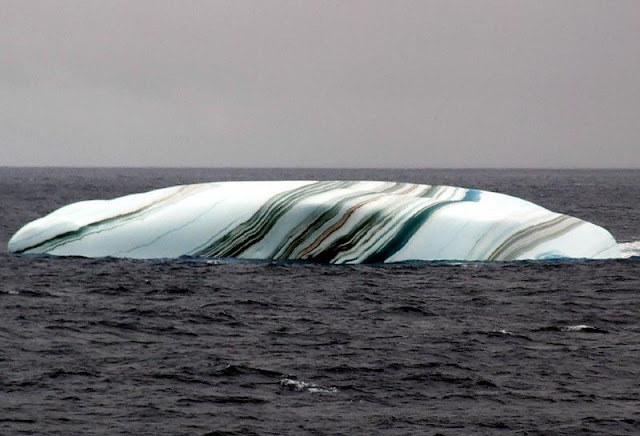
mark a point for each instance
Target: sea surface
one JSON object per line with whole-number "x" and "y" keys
{"x": 202, "y": 347}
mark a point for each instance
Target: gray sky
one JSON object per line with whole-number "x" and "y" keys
{"x": 320, "y": 83}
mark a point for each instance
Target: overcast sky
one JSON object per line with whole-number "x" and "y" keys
{"x": 320, "y": 83}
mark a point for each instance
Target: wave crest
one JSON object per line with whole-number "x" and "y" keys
{"x": 629, "y": 249}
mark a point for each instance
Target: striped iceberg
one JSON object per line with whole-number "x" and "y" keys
{"x": 327, "y": 221}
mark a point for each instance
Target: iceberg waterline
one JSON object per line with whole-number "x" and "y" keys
{"x": 322, "y": 221}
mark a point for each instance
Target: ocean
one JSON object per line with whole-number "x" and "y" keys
{"x": 205, "y": 347}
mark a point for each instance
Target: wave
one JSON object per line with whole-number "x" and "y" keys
{"x": 629, "y": 249}
{"x": 301, "y": 386}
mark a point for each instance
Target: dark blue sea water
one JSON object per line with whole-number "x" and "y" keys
{"x": 189, "y": 347}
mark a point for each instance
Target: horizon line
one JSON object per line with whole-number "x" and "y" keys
{"x": 233, "y": 167}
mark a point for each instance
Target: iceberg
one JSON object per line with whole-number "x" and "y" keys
{"x": 337, "y": 222}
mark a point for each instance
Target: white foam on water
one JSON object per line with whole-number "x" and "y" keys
{"x": 299, "y": 385}
{"x": 504, "y": 332}
{"x": 629, "y": 249}
{"x": 577, "y": 328}
{"x": 583, "y": 328}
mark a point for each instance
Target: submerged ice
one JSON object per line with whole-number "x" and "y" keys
{"x": 328, "y": 221}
